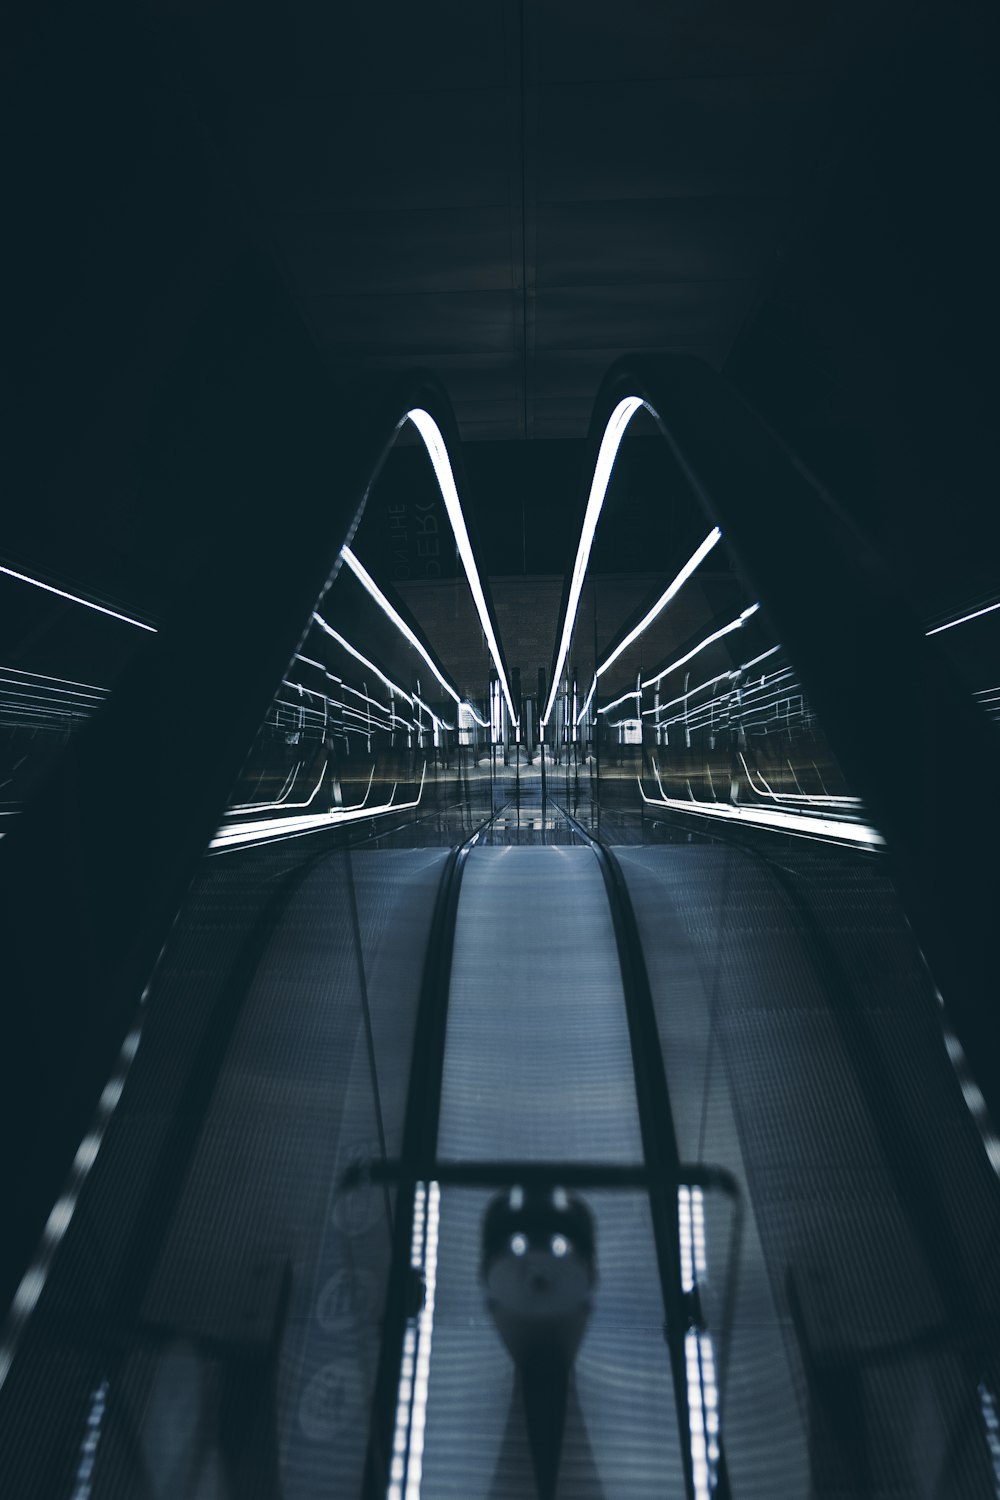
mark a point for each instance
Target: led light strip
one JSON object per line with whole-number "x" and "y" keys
{"x": 672, "y": 589}
{"x": 269, "y": 829}
{"x": 609, "y": 706}
{"x": 749, "y": 701}
{"x": 83, "y": 1482}
{"x": 702, "y": 1388}
{"x": 827, "y": 799}
{"x": 711, "y": 681}
{"x": 372, "y": 589}
{"x": 607, "y": 453}
{"x": 438, "y": 453}
{"x": 407, "y": 1463}
{"x": 66, "y": 681}
{"x": 703, "y": 1411}
{"x": 282, "y": 800}
{"x": 963, "y": 619}
{"x": 43, "y": 694}
{"x": 709, "y": 640}
{"x": 34, "y": 1279}
{"x": 353, "y": 651}
{"x": 767, "y": 817}
{"x": 101, "y": 609}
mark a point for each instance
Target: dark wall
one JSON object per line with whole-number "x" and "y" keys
{"x": 874, "y": 351}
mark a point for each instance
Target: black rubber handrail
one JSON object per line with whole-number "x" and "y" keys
{"x": 664, "y": 1168}
{"x": 417, "y": 1162}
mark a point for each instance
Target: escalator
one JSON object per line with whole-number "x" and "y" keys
{"x": 490, "y": 1129}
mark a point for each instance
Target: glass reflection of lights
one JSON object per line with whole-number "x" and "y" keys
{"x": 778, "y": 819}
{"x": 101, "y": 609}
{"x": 607, "y": 453}
{"x": 670, "y": 592}
{"x": 406, "y": 1466}
{"x": 371, "y": 587}
{"x": 359, "y": 656}
{"x": 265, "y": 830}
{"x": 435, "y": 445}
{"x": 716, "y": 635}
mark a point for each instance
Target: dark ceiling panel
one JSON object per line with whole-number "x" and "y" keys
{"x": 413, "y": 327}
{"x": 401, "y": 250}
{"x": 642, "y": 139}
{"x": 450, "y": 45}
{"x": 672, "y": 315}
{"x": 389, "y": 150}
{"x": 658, "y": 239}
{"x": 670, "y": 38}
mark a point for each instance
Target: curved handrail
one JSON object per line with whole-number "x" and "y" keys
{"x": 835, "y": 607}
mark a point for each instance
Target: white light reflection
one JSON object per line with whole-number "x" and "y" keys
{"x": 610, "y": 443}
{"x": 699, "y": 1360}
{"x": 716, "y": 635}
{"x": 823, "y": 829}
{"x": 434, "y": 443}
{"x": 353, "y": 651}
{"x": 371, "y": 587}
{"x": 963, "y": 619}
{"x": 729, "y": 676}
{"x": 267, "y": 829}
{"x": 635, "y": 693}
{"x": 406, "y": 1471}
{"x": 33, "y": 1282}
{"x": 101, "y": 609}
{"x": 672, "y": 589}
{"x": 83, "y": 1483}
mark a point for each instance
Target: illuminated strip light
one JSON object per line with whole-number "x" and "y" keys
{"x": 57, "y": 711}
{"x": 624, "y": 723}
{"x": 991, "y": 1422}
{"x": 672, "y": 589}
{"x": 407, "y": 1462}
{"x": 586, "y": 703}
{"x": 372, "y": 589}
{"x": 33, "y": 1282}
{"x": 282, "y": 800}
{"x": 607, "y": 453}
{"x": 47, "y": 694}
{"x": 366, "y": 718}
{"x": 963, "y": 619}
{"x": 370, "y": 723}
{"x": 703, "y": 713}
{"x": 702, "y": 1388}
{"x": 729, "y": 676}
{"x": 434, "y": 443}
{"x": 365, "y": 697}
{"x": 826, "y": 799}
{"x": 77, "y": 599}
{"x": 353, "y": 651}
{"x": 433, "y": 716}
{"x": 697, "y": 557}
{"x": 269, "y": 829}
{"x": 83, "y": 1480}
{"x": 709, "y": 640}
{"x": 300, "y": 687}
{"x": 703, "y": 1412}
{"x": 45, "y": 677}
{"x": 609, "y": 706}
{"x": 483, "y": 723}
{"x": 776, "y": 818}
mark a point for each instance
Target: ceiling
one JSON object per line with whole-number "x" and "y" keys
{"x": 513, "y": 194}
